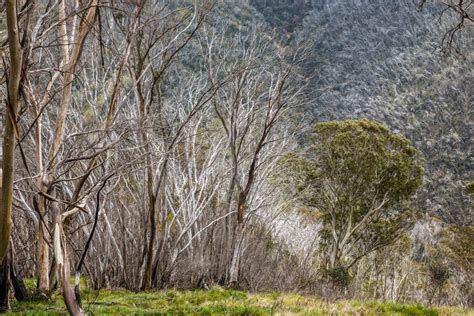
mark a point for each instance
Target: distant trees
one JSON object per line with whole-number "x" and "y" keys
{"x": 358, "y": 177}
{"x": 455, "y": 246}
{"x": 284, "y": 15}
{"x": 464, "y": 12}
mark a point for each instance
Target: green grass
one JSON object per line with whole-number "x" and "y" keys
{"x": 218, "y": 301}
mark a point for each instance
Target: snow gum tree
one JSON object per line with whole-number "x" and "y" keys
{"x": 357, "y": 177}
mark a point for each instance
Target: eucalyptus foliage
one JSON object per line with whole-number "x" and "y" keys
{"x": 358, "y": 178}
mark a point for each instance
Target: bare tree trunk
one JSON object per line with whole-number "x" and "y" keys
{"x": 4, "y": 283}
{"x": 77, "y": 278}
{"x": 6, "y": 198}
{"x": 10, "y": 130}
{"x": 61, "y": 256}
{"x": 43, "y": 254}
{"x": 333, "y": 256}
{"x": 158, "y": 199}
{"x": 159, "y": 257}
{"x": 226, "y": 240}
{"x": 69, "y": 67}
{"x": 69, "y": 62}
{"x": 236, "y": 256}
{"x": 21, "y": 293}
{"x": 147, "y": 278}
{"x": 238, "y": 240}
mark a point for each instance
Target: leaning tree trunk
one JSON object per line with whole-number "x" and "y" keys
{"x": 62, "y": 260}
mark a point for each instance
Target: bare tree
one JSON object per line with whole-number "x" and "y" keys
{"x": 250, "y": 109}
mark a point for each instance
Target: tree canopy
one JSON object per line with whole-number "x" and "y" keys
{"x": 358, "y": 177}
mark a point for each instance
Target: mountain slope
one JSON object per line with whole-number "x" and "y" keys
{"x": 379, "y": 59}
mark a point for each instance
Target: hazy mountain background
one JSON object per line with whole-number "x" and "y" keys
{"x": 382, "y": 60}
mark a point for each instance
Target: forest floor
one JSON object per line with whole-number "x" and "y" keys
{"x": 218, "y": 301}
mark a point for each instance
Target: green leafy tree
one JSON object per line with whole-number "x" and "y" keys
{"x": 358, "y": 178}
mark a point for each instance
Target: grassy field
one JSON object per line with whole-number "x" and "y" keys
{"x": 218, "y": 301}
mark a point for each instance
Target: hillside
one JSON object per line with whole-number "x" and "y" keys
{"x": 381, "y": 60}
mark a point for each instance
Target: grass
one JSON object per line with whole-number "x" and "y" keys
{"x": 218, "y": 301}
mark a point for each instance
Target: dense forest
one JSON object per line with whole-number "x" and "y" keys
{"x": 302, "y": 146}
